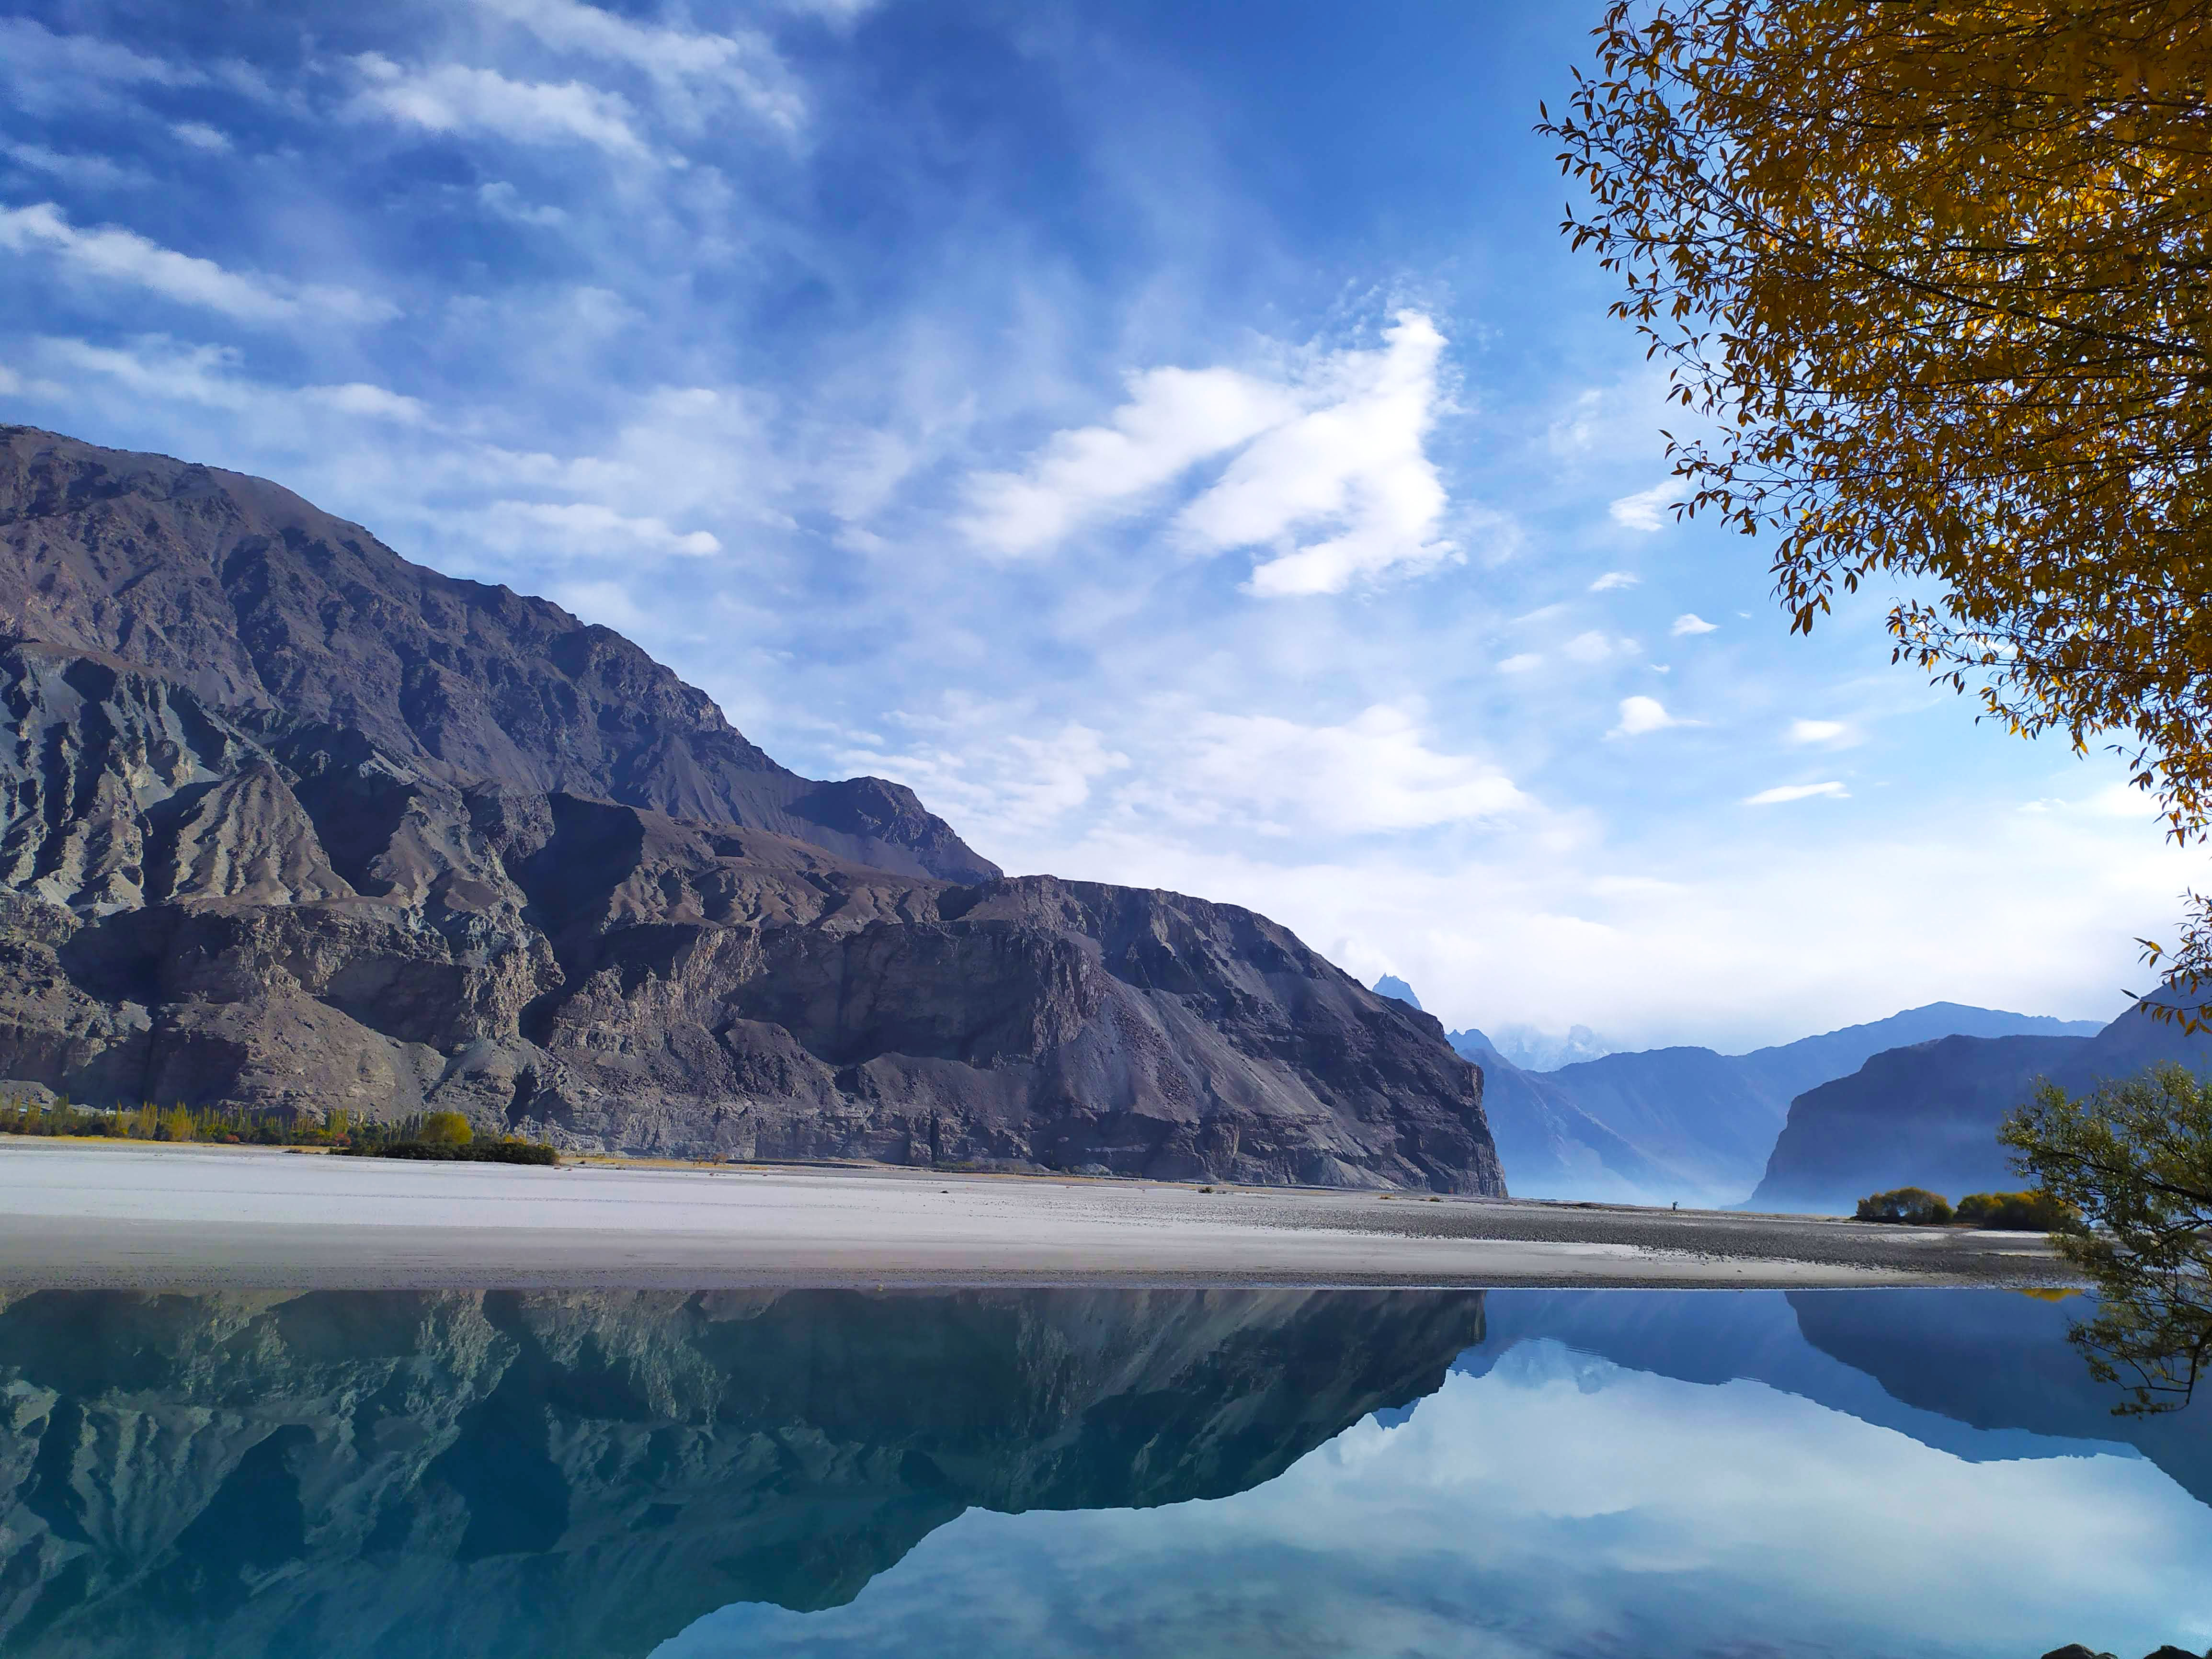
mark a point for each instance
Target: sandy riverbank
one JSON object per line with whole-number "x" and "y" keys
{"x": 89, "y": 1214}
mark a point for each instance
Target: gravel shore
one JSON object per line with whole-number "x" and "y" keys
{"x": 84, "y": 1214}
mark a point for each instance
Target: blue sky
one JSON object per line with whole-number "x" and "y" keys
{"x": 1174, "y": 438}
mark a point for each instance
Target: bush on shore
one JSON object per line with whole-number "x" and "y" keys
{"x": 1913, "y": 1206}
{"x": 231, "y": 1126}
{"x": 475, "y": 1151}
{"x": 2035, "y": 1212}
{"x": 429, "y": 1135}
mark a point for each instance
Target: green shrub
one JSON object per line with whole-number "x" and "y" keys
{"x": 1915, "y": 1207}
{"x": 483, "y": 1151}
{"x": 2035, "y": 1212}
{"x": 445, "y": 1129}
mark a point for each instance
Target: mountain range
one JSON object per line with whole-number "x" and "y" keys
{"x": 290, "y": 822}
{"x": 1689, "y": 1124}
{"x": 1926, "y": 1115}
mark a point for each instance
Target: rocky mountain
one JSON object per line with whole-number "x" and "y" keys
{"x": 1687, "y": 1123}
{"x": 290, "y": 821}
{"x": 362, "y": 1475}
{"x": 1927, "y": 1114}
{"x": 265, "y": 607}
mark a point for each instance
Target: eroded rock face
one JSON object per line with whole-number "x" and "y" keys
{"x": 267, "y": 902}
{"x": 255, "y": 600}
{"x": 371, "y": 1473}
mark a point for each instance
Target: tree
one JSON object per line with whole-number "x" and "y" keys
{"x": 2135, "y": 1158}
{"x": 1935, "y": 279}
{"x": 1916, "y": 1206}
{"x": 445, "y": 1129}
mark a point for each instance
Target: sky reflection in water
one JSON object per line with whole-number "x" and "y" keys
{"x": 1546, "y": 1501}
{"x": 1517, "y": 1474}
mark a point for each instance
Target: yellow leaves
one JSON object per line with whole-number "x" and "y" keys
{"x": 1941, "y": 273}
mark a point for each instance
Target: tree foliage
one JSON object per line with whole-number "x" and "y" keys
{"x": 1915, "y": 1207}
{"x": 2022, "y": 1212}
{"x": 2135, "y": 1159}
{"x": 445, "y": 1129}
{"x": 1935, "y": 277}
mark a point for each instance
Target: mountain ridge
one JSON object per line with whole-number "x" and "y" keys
{"x": 1927, "y": 1114}
{"x": 311, "y": 897}
{"x": 1656, "y": 1125}
{"x": 259, "y": 601}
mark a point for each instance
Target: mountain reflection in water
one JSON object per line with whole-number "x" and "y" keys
{"x": 978, "y": 1473}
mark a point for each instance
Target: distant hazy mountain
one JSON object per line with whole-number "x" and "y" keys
{"x": 1391, "y": 985}
{"x": 1532, "y": 1050}
{"x": 1690, "y": 1124}
{"x": 1927, "y": 1115}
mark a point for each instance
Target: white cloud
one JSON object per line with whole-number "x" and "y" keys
{"x": 200, "y": 136}
{"x": 376, "y": 402}
{"x": 1789, "y": 792}
{"x": 1174, "y": 419}
{"x": 205, "y": 377}
{"x": 1822, "y": 731}
{"x": 743, "y": 63}
{"x": 1216, "y": 773}
{"x": 1640, "y": 715}
{"x": 1614, "y": 579}
{"x": 1521, "y": 663}
{"x": 588, "y": 528}
{"x": 1356, "y": 466}
{"x": 1690, "y": 623}
{"x": 455, "y": 97}
{"x": 1645, "y": 510}
{"x": 1373, "y": 775}
{"x": 1333, "y": 479}
{"x": 112, "y": 254}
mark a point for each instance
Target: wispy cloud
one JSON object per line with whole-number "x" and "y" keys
{"x": 207, "y": 377}
{"x": 1690, "y": 623}
{"x": 1645, "y": 510}
{"x": 1614, "y": 579}
{"x": 1374, "y": 774}
{"x": 1833, "y": 734}
{"x": 1596, "y": 646}
{"x": 1175, "y": 418}
{"x": 85, "y": 171}
{"x": 586, "y": 527}
{"x": 743, "y": 63}
{"x": 46, "y": 71}
{"x": 111, "y": 254}
{"x": 198, "y": 135}
{"x": 456, "y": 98}
{"x": 1789, "y": 792}
{"x": 1330, "y": 475}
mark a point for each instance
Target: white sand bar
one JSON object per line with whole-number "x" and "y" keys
{"x": 79, "y": 1213}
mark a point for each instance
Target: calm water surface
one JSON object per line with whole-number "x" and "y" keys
{"x": 1514, "y": 1472}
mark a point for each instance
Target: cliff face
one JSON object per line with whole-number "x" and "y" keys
{"x": 313, "y": 904}
{"x": 361, "y": 1473}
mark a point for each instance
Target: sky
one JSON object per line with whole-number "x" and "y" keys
{"x": 1175, "y": 439}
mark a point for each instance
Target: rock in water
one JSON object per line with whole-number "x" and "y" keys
{"x": 293, "y": 823}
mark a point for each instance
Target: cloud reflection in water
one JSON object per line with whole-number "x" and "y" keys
{"x": 1561, "y": 1505}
